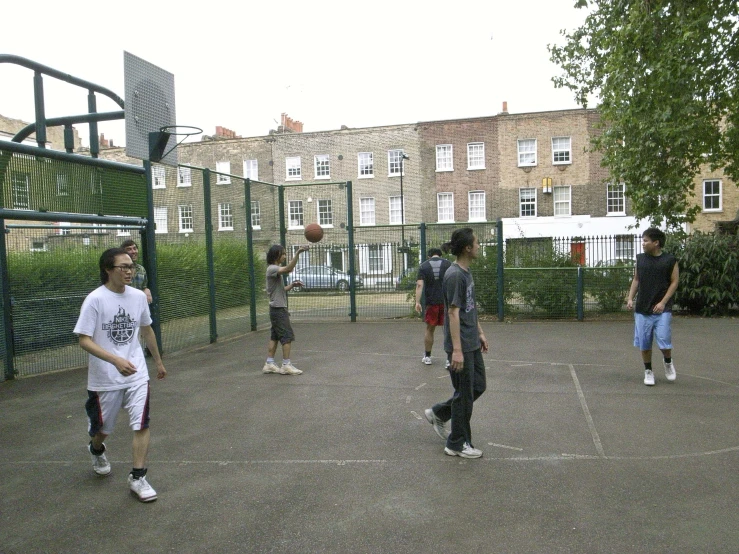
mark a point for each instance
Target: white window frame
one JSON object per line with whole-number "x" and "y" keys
{"x": 185, "y": 215}
{"x": 475, "y": 155}
{"x": 367, "y": 211}
{"x": 184, "y": 177}
{"x": 123, "y": 232}
{"x": 395, "y": 163}
{"x": 322, "y": 166}
{"x": 160, "y": 220}
{"x": 293, "y": 171}
{"x": 526, "y": 155}
{"x": 559, "y": 200}
{"x": 35, "y": 248}
{"x": 444, "y": 157}
{"x": 225, "y": 217}
{"x": 251, "y": 170}
{"x": 21, "y": 190}
{"x": 719, "y": 195}
{"x": 440, "y": 210}
{"x": 395, "y": 217}
{"x": 563, "y": 152}
{"x": 64, "y": 228}
{"x": 158, "y": 177}
{"x": 325, "y": 207}
{"x": 365, "y": 165}
{"x": 526, "y": 200}
{"x": 295, "y": 208}
{"x": 624, "y": 247}
{"x": 475, "y": 216}
{"x": 96, "y": 182}
{"x": 221, "y": 169}
{"x": 615, "y": 194}
{"x": 62, "y": 184}
{"x": 256, "y": 215}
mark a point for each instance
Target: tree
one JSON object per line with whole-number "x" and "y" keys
{"x": 665, "y": 73}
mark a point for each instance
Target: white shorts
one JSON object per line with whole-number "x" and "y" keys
{"x": 103, "y": 406}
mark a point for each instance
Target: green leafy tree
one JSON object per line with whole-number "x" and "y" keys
{"x": 665, "y": 74}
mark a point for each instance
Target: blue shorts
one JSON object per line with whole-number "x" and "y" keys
{"x": 658, "y": 326}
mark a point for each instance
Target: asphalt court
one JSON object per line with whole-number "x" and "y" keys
{"x": 579, "y": 455}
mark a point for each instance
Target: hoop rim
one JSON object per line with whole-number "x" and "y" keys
{"x": 171, "y": 129}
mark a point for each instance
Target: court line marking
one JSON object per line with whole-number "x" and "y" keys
{"x": 586, "y": 411}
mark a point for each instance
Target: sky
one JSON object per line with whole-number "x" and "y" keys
{"x": 325, "y": 63}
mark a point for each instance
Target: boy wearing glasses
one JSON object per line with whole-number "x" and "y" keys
{"x": 140, "y": 280}
{"x": 111, "y": 318}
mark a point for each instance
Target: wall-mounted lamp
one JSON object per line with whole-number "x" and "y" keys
{"x": 546, "y": 185}
{"x": 310, "y": 199}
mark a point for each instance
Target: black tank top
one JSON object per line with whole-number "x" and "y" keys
{"x": 654, "y": 274}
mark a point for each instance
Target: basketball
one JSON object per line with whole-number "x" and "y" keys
{"x": 313, "y": 232}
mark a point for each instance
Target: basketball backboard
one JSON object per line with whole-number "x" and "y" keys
{"x": 149, "y": 106}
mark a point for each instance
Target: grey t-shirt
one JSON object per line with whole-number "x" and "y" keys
{"x": 459, "y": 291}
{"x": 275, "y": 288}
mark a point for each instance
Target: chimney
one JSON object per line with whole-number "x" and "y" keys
{"x": 505, "y": 108}
{"x": 225, "y": 133}
{"x": 289, "y": 125}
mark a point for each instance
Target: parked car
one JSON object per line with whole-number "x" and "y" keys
{"x": 323, "y": 277}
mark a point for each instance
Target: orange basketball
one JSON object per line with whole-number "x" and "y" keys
{"x": 313, "y": 232}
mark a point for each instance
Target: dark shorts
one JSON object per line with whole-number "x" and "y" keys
{"x": 434, "y": 314}
{"x": 281, "y": 329}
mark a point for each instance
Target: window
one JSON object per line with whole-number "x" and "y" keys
{"x": 38, "y": 246}
{"x": 561, "y": 150}
{"x": 222, "y": 171}
{"x": 562, "y": 200}
{"x": 615, "y": 201}
{"x": 184, "y": 177}
{"x": 62, "y": 184}
{"x": 322, "y": 166}
{"x": 366, "y": 211}
{"x": 123, "y": 232}
{"x": 476, "y": 155}
{"x": 375, "y": 258}
{"x": 625, "y": 247}
{"x": 296, "y": 214}
{"x": 325, "y": 213}
{"x": 96, "y": 183}
{"x": 527, "y": 202}
{"x": 64, "y": 228}
{"x": 712, "y": 195}
{"x": 445, "y": 207}
{"x": 444, "y": 157}
{"x": 251, "y": 170}
{"x": 185, "y": 217}
{"x": 476, "y": 200}
{"x": 394, "y": 162}
{"x": 160, "y": 220}
{"x": 526, "y": 152}
{"x": 292, "y": 168}
{"x": 365, "y": 160}
{"x": 396, "y": 217}
{"x": 256, "y": 215}
{"x": 157, "y": 177}
{"x": 225, "y": 217}
{"x": 20, "y": 185}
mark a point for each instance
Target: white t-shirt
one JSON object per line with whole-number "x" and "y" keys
{"x": 113, "y": 320}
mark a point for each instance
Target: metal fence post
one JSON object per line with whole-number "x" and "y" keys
{"x": 209, "y": 255}
{"x": 580, "y": 293}
{"x": 499, "y": 268}
{"x": 250, "y": 256}
{"x": 422, "y": 239}
{"x": 350, "y": 237}
{"x": 7, "y": 304}
{"x": 150, "y": 257}
{"x": 281, "y": 212}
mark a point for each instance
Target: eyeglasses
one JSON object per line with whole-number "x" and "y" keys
{"x": 126, "y": 267}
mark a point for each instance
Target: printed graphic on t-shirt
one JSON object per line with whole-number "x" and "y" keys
{"x": 122, "y": 329}
{"x": 470, "y": 300}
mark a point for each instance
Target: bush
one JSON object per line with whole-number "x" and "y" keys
{"x": 609, "y": 286}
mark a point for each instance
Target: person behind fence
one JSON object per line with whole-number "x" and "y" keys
{"x": 111, "y": 318}
{"x": 140, "y": 280}
{"x": 464, "y": 343}
{"x": 429, "y": 281}
{"x": 282, "y": 331}
{"x": 655, "y": 282}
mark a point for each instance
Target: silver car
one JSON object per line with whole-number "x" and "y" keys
{"x": 323, "y": 277}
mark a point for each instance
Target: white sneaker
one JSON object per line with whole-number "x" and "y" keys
{"x": 426, "y": 360}
{"x": 670, "y": 372}
{"x": 648, "y": 377}
{"x": 271, "y": 368}
{"x": 439, "y": 426}
{"x": 290, "y": 369}
{"x": 142, "y": 489}
{"x": 100, "y": 464}
{"x": 466, "y": 452}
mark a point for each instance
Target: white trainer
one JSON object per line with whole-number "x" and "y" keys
{"x": 290, "y": 369}
{"x": 439, "y": 426}
{"x": 426, "y": 360}
{"x": 467, "y": 452}
{"x": 670, "y": 372}
{"x": 648, "y": 377}
{"x": 142, "y": 489}
{"x": 100, "y": 464}
{"x": 271, "y": 368}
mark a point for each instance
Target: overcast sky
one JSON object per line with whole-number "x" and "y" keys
{"x": 326, "y": 63}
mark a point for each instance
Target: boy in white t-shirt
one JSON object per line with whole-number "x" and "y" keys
{"x": 108, "y": 327}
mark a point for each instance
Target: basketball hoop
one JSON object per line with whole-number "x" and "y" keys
{"x": 158, "y": 140}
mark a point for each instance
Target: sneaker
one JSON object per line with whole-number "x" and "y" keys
{"x": 466, "y": 452}
{"x": 271, "y": 368}
{"x": 289, "y": 369}
{"x": 648, "y": 377}
{"x": 426, "y": 360}
{"x": 100, "y": 464}
{"x": 670, "y": 372}
{"x": 439, "y": 425}
{"x": 141, "y": 489}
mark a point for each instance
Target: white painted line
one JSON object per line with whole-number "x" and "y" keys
{"x": 421, "y": 386}
{"x": 407, "y": 399}
{"x": 504, "y": 446}
{"x": 588, "y": 417}
{"x": 416, "y": 414}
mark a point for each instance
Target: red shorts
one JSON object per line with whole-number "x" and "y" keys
{"x": 434, "y": 314}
